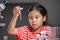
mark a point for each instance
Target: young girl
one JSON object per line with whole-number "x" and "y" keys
{"x": 38, "y": 20}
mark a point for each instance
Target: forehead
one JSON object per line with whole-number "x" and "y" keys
{"x": 35, "y": 13}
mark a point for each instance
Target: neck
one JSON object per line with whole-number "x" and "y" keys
{"x": 36, "y": 30}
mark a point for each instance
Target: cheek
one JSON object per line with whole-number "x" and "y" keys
{"x": 40, "y": 21}
{"x": 30, "y": 21}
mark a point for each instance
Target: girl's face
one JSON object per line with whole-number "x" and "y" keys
{"x": 36, "y": 19}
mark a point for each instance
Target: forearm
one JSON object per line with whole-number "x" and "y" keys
{"x": 12, "y": 24}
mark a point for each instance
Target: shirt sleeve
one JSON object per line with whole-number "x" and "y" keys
{"x": 19, "y": 32}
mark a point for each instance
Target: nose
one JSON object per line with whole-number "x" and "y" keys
{"x": 33, "y": 20}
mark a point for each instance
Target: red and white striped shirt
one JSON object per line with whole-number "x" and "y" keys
{"x": 25, "y": 32}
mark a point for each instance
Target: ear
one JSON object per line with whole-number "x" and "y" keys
{"x": 44, "y": 18}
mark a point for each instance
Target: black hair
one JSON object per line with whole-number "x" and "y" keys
{"x": 41, "y": 9}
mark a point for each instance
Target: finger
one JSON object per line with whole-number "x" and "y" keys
{"x": 19, "y": 8}
{"x": 16, "y": 10}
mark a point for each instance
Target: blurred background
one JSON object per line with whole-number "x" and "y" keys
{"x": 52, "y": 6}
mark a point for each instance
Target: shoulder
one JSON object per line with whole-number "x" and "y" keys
{"x": 22, "y": 27}
{"x": 47, "y": 27}
{"x": 49, "y": 31}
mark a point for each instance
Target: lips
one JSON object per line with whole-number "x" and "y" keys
{"x": 33, "y": 24}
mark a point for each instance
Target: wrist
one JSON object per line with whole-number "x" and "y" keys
{"x": 15, "y": 17}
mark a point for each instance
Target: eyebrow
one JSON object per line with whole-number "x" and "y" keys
{"x": 35, "y": 16}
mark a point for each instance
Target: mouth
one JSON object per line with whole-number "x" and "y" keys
{"x": 33, "y": 24}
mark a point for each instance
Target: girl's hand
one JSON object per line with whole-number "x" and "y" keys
{"x": 17, "y": 11}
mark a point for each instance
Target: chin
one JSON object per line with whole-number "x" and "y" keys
{"x": 35, "y": 27}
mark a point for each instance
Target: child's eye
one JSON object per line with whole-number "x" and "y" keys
{"x": 36, "y": 17}
{"x": 30, "y": 18}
